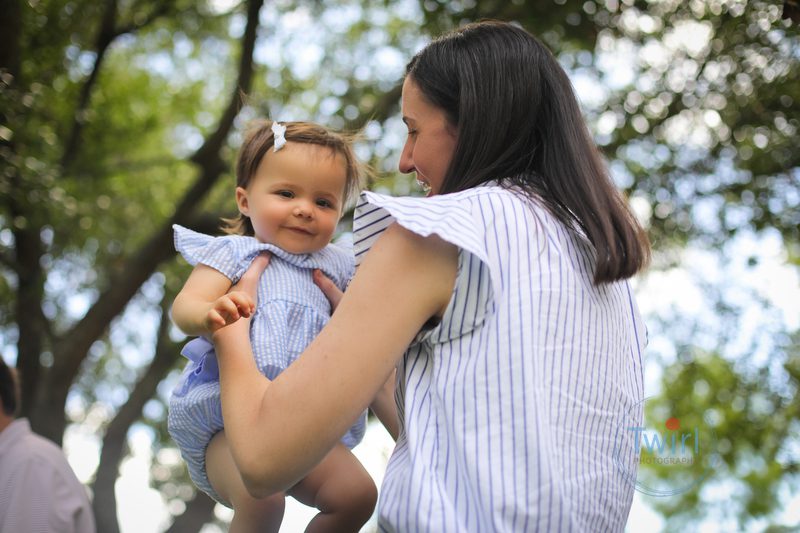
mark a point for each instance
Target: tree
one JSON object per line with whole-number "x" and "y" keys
{"x": 60, "y": 171}
{"x": 71, "y": 100}
{"x": 118, "y": 119}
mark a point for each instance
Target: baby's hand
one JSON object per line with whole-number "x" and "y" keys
{"x": 229, "y": 308}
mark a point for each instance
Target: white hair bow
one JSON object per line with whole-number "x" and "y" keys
{"x": 278, "y": 130}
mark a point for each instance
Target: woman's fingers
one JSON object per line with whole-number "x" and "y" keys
{"x": 249, "y": 282}
{"x": 328, "y": 288}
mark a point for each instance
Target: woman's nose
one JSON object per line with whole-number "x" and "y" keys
{"x": 406, "y": 161}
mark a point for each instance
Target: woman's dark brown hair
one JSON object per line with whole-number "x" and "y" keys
{"x": 259, "y": 139}
{"x": 518, "y": 119}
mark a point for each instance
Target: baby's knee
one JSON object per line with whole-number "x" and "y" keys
{"x": 260, "y": 509}
{"x": 359, "y": 496}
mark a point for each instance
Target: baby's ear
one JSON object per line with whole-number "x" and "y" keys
{"x": 241, "y": 201}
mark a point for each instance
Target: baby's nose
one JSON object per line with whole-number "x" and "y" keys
{"x": 302, "y": 209}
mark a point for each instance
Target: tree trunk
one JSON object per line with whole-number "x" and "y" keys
{"x": 71, "y": 350}
{"x": 199, "y": 511}
{"x": 24, "y": 223}
{"x": 10, "y": 31}
{"x": 115, "y": 440}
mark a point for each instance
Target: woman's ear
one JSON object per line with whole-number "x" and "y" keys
{"x": 241, "y": 201}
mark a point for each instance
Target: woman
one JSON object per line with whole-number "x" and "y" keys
{"x": 500, "y": 299}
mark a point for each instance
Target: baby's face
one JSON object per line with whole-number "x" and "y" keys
{"x": 295, "y": 198}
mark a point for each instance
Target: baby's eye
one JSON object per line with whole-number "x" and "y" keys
{"x": 322, "y": 202}
{"x": 285, "y": 194}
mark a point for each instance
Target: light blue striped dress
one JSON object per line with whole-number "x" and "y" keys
{"x": 511, "y": 407}
{"x": 290, "y": 312}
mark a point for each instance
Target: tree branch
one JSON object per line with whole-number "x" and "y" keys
{"x": 71, "y": 350}
{"x": 383, "y": 108}
{"x": 115, "y": 439}
{"x": 10, "y": 32}
{"x": 198, "y": 511}
{"x": 106, "y": 35}
{"x": 28, "y": 247}
{"x": 213, "y": 143}
{"x": 6, "y": 259}
{"x": 162, "y": 9}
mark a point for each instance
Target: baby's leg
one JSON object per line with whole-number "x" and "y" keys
{"x": 249, "y": 514}
{"x": 341, "y": 489}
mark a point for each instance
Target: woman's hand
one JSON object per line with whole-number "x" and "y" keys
{"x": 248, "y": 284}
{"x": 328, "y": 288}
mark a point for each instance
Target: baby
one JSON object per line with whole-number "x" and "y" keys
{"x": 292, "y": 183}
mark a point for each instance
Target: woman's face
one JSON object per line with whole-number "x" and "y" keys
{"x": 431, "y": 139}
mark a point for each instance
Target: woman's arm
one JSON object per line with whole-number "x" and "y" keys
{"x": 279, "y": 430}
{"x": 383, "y": 404}
{"x": 205, "y": 305}
{"x": 385, "y": 408}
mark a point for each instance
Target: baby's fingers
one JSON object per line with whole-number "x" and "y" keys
{"x": 227, "y": 309}
{"x": 215, "y": 320}
{"x": 243, "y": 302}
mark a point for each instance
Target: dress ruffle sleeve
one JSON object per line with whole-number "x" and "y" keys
{"x": 232, "y": 254}
{"x": 461, "y": 219}
{"x": 220, "y": 253}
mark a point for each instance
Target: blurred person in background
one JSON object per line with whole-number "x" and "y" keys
{"x": 39, "y": 492}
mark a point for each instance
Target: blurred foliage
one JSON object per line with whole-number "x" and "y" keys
{"x": 695, "y": 104}
{"x": 755, "y": 420}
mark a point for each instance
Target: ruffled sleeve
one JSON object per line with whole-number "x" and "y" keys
{"x": 461, "y": 219}
{"x": 220, "y": 253}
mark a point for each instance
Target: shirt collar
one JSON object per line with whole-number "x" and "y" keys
{"x": 15, "y": 431}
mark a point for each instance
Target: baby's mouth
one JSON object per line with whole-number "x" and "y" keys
{"x": 300, "y": 230}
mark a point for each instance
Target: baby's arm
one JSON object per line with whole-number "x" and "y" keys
{"x": 204, "y": 305}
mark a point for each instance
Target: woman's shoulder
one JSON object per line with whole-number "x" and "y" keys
{"x": 489, "y": 188}
{"x": 490, "y": 194}
{"x": 464, "y": 219}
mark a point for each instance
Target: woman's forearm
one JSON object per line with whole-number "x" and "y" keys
{"x": 242, "y": 387}
{"x": 280, "y": 430}
{"x": 385, "y": 408}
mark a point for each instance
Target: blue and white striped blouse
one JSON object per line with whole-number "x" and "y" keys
{"x": 511, "y": 407}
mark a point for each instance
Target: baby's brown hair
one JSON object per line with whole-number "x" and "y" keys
{"x": 259, "y": 138}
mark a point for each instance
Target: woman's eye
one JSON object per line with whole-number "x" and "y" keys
{"x": 286, "y": 194}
